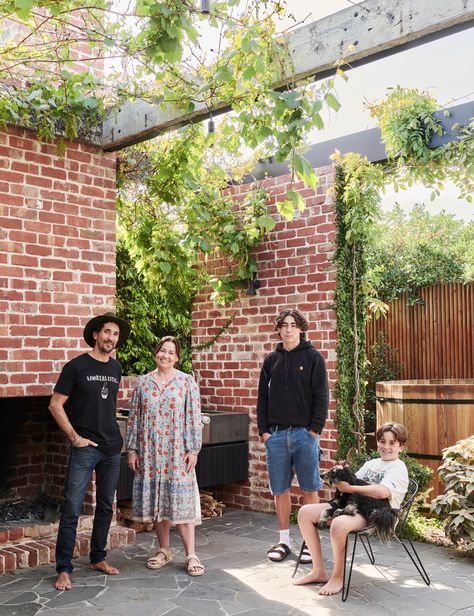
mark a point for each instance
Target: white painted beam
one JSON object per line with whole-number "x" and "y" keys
{"x": 369, "y": 28}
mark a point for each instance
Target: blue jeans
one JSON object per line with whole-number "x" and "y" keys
{"x": 293, "y": 450}
{"x": 82, "y": 461}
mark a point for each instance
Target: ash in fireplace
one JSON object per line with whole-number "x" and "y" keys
{"x": 42, "y": 508}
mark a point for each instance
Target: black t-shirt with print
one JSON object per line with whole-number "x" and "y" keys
{"x": 92, "y": 388}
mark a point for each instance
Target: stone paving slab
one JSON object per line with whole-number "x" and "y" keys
{"x": 240, "y": 580}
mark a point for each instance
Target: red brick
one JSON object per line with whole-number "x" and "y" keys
{"x": 11, "y": 200}
{"x": 22, "y": 556}
{"x": 36, "y": 180}
{"x": 53, "y": 173}
{"x": 33, "y": 554}
{"x": 7, "y": 560}
{"x": 9, "y": 223}
{"x": 50, "y": 545}
{"x": 44, "y": 551}
{"x": 82, "y": 547}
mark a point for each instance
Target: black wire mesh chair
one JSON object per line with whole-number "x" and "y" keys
{"x": 364, "y": 536}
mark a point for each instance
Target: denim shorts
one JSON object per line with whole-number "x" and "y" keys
{"x": 291, "y": 451}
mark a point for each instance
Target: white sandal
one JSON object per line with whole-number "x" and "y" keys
{"x": 196, "y": 569}
{"x": 156, "y": 563}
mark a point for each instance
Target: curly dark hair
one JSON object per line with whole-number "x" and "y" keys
{"x": 300, "y": 321}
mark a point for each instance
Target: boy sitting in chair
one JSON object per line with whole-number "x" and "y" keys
{"x": 388, "y": 478}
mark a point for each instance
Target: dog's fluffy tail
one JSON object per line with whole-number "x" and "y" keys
{"x": 385, "y": 521}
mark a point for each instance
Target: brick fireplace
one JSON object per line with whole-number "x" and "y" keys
{"x": 57, "y": 263}
{"x": 34, "y": 456}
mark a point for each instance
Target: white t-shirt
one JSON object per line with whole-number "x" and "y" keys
{"x": 393, "y": 474}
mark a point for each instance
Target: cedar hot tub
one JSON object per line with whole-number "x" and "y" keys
{"x": 437, "y": 413}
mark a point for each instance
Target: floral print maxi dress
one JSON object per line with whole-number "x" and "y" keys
{"x": 163, "y": 425}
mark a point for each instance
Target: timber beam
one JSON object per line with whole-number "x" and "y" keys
{"x": 355, "y": 34}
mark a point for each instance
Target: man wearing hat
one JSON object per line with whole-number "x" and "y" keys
{"x": 89, "y": 384}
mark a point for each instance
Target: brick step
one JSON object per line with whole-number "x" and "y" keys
{"x": 34, "y": 552}
{"x": 46, "y": 530}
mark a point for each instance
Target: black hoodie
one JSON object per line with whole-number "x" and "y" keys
{"x": 293, "y": 389}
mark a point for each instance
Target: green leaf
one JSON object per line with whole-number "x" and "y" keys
{"x": 305, "y": 172}
{"x": 24, "y": 4}
{"x": 223, "y": 74}
{"x": 249, "y": 73}
{"x": 266, "y": 222}
{"x": 296, "y": 199}
{"x": 342, "y": 74}
{"x": 286, "y": 209}
{"x": 165, "y": 267}
{"x": 332, "y": 101}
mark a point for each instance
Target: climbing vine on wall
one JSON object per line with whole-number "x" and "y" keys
{"x": 357, "y": 186}
{"x": 407, "y": 125}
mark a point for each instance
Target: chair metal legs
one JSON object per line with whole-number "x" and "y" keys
{"x": 415, "y": 559}
{"x": 298, "y": 560}
{"x": 368, "y": 549}
{"x": 412, "y": 553}
{"x": 365, "y": 540}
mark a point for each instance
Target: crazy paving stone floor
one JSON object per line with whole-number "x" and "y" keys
{"x": 239, "y": 579}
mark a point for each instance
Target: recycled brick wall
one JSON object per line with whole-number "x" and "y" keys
{"x": 57, "y": 255}
{"x": 57, "y": 264}
{"x": 295, "y": 270}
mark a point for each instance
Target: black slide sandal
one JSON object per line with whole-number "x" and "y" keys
{"x": 282, "y": 551}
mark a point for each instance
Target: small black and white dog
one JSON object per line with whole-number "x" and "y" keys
{"x": 377, "y": 511}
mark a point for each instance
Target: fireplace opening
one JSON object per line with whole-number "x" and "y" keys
{"x": 41, "y": 509}
{"x": 33, "y": 459}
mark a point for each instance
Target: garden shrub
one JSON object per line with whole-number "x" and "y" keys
{"x": 456, "y": 506}
{"x": 382, "y": 366}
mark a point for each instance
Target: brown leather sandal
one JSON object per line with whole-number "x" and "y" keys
{"x": 155, "y": 562}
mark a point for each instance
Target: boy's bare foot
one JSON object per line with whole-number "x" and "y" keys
{"x": 105, "y": 568}
{"x": 63, "y": 581}
{"x": 312, "y": 578}
{"x": 332, "y": 587}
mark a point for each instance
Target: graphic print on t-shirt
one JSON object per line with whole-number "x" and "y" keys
{"x": 373, "y": 476}
{"x": 104, "y": 392}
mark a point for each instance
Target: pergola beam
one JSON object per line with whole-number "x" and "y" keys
{"x": 356, "y": 33}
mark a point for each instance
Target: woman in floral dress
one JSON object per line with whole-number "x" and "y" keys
{"x": 164, "y": 436}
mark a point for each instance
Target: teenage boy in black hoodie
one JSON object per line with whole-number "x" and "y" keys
{"x": 292, "y": 406}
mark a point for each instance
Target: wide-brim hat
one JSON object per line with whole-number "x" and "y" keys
{"x": 96, "y": 323}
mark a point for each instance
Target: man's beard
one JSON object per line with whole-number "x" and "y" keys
{"x": 106, "y": 349}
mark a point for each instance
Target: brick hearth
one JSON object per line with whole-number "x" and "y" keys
{"x": 30, "y": 546}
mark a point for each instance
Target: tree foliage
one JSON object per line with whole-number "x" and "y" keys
{"x": 418, "y": 249}
{"x": 151, "y": 314}
{"x": 408, "y": 125}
